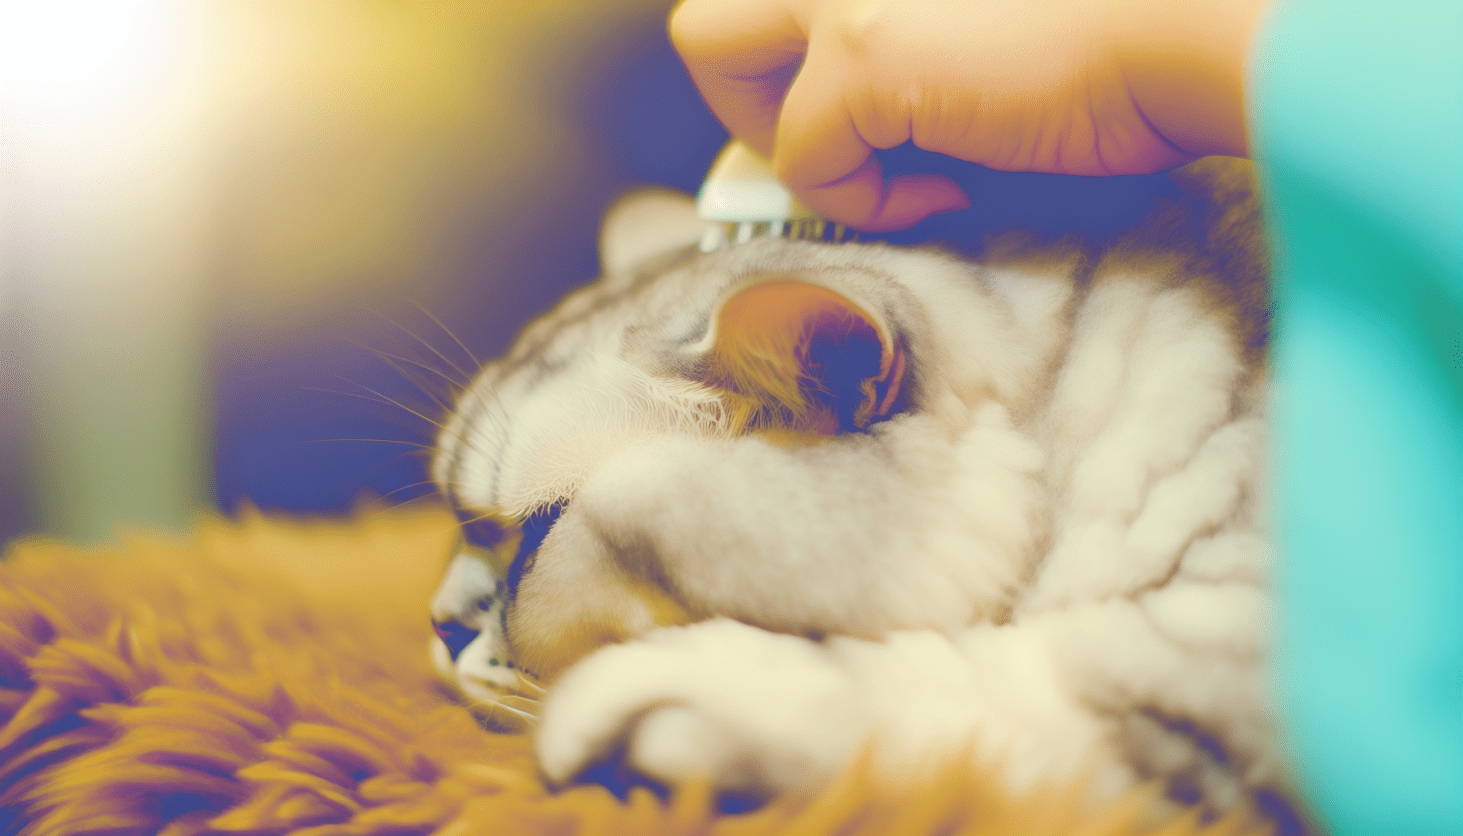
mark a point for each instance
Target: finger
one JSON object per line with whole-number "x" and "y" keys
{"x": 742, "y": 54}
{"x": 818, "y": 141}
{"x": 834, "y": 116}
{"x": 911, "y": 198}
{"x": 863, "y": 201}
{"x": 825, "y": 152}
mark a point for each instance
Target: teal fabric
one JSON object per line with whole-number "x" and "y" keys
{"x": 1357, "y": 128}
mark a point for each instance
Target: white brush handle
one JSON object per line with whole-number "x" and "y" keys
{"x": 741, "y": 188}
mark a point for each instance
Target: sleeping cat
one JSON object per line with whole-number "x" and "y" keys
{"x": 739, "y": 513}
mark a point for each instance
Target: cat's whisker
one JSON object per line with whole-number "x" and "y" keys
{"x": 525, "y": 703}
{"x": 395, "y": 361}
{"x": 345, "y": 394}
{"x": 501, "y": 419}
{"x": 531, "y": 719}
{"x": 395, "y": 420}
{"x": 450, "y": 486}
{"x": 355, "y": 484}
{"x": 486, "y": 515}
{"x": 448, "y": 331}
{"x": 386, "y": 355}
{"x": 381, "y": 398}
{"x": 416, "y": 444}
{"x": 419, "y": 449}
{"x": 531, "y": 685}
{"x": 430, "y": 496}
{"x": 444, "y": 358}
{"x": 392, "y": 402}
{"x": 374, "y": 397}
{"x": 422, "y": 483}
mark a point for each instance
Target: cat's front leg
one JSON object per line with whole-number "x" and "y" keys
{"x": 765, "y": 712}
{"x": 989, "y": 694}
{"x": 751, "y": 710}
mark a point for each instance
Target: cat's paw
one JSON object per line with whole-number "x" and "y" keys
{"x": 752, "y": 711}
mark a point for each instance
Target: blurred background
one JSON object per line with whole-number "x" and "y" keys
{"x": 248, "y": 248}
{"x": 222, "y": 223}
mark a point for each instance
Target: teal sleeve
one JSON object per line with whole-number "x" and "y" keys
{"x": 1357, "y": 126}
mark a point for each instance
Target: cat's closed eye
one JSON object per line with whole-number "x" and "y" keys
{"x": 532, "y": 532}
{"x": 481, "y": 531}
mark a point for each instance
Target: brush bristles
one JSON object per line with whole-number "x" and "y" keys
{"x": 799, "y": 229}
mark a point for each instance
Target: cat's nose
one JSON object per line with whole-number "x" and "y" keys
{"x": 455, "y": 636}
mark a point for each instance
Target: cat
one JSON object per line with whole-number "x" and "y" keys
{"x": 739, "y": 513}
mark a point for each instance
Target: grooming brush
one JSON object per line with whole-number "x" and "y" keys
{"x": 745, "y": 200}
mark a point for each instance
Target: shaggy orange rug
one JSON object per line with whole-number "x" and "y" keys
{"x": 270, "y": 677}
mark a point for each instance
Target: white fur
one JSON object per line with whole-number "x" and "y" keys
{"x": 1054, "y": 561}
{"x": 646, "y": 224}
{"x": 937, "y": 531}
{"x": 479, "y": 671}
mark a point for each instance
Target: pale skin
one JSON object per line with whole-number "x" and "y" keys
{"x": 1063, "y": 86}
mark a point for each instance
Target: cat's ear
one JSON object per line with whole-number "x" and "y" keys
{"x": 796, "y": 355}
{"x": 647, "y": 223}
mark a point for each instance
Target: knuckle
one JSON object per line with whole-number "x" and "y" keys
{"x": 682, "y": 25}
{"x": 695, "y": 25}
{"x": 863, "y": 27}
{"x": 786, "y": 166}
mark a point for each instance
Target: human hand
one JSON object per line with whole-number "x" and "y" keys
{"x": 1064, "y": 86}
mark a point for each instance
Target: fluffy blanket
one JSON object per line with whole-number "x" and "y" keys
{"x": 270, "y": 676}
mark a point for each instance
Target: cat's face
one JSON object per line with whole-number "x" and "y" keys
{"x": 699, "y": 434}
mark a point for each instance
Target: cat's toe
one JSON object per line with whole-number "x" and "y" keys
{"x": 602, "y": 705}
{"x": 751, "y": 711}
{"x": 590, "y": 712}
{"x": 674, "y": 743}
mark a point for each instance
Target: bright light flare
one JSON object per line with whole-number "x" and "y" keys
{"x": 65, "y": 57}
{"x": 103, "y": 143}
